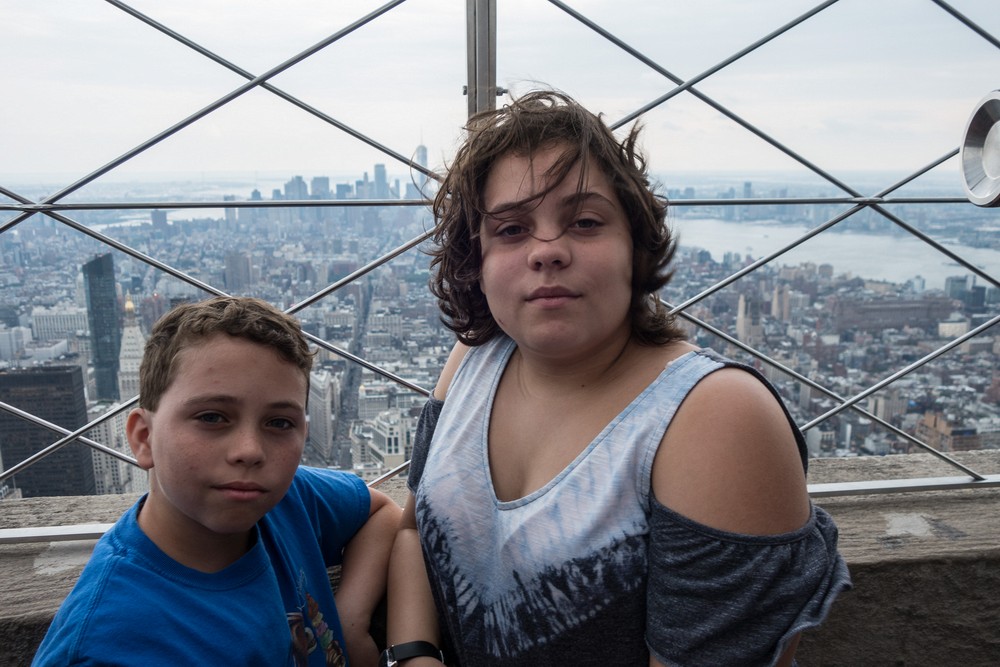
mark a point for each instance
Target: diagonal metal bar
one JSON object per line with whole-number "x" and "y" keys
{"x": 213, "y": 290}
{"x": 688, "y": 85}
{"x": 864, "y": 202}
{"x": 706, "y": 99}
{"x": 367, "y": 268}
{"x": 69, "y": 437}
{"x": 815, "y": 385}
{"x": 902, "y": 372}
{"x": 968, "y": 22}
{"x": 273, "y": 89}
{"x": 222, "y": 101}
{"x": 937, "y": 246}
{"x": 107, "y": 240}
{"x": 764, "y": 136}
{"x": 350, "y": 278}
{"x": 724, "y": 63}
{"x": 367, "y": 364}
{"x": 750, "y": 268}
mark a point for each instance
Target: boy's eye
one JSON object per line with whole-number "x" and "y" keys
{"x": 210, "y": 418}
{"x": 281, "y": 423}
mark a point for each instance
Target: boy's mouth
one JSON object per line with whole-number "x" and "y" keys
{"x": 242, "y": 490}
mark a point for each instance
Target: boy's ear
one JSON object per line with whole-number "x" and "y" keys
{"x": 139, "y": 432}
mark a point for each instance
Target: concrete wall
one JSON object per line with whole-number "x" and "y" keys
{"x": 926, "y": 568}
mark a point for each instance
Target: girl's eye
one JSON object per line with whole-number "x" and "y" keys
{"x": 510, "y": 231}
{"x": 587, "y": 223}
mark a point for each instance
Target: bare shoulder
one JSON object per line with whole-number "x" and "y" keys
{"x": 451, "y": 365}
{"x": 729, "y": 459}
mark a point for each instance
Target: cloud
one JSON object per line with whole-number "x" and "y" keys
{"x": 876, "y": 85}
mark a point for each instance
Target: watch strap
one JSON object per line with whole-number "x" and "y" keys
{"x": 416, "y": 649}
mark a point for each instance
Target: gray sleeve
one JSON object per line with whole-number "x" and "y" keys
{"x": 719, "y": 598}
{"x": 422, "y": 441}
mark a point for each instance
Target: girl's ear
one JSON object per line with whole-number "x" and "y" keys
{"x": 139, "y": 431}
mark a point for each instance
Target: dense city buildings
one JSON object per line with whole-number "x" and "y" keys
{"x": 55, "y": 394}
{"x": 833, "y": 332}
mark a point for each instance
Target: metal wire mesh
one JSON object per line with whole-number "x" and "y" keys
{"x": 852, "y": 201}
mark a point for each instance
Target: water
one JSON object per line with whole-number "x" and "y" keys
{"x": 872, "y": 256}
{"x": 895, "y": 259}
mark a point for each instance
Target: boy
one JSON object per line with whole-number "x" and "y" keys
{"x": 224, "y": 561}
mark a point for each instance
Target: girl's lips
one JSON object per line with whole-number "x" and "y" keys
{"x": 551, "y": 300}
{"x": 550, "y": 293}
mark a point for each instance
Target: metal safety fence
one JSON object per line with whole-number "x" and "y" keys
{"x": 482, "y": 92}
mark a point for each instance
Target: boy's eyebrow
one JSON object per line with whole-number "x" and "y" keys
{"x": 227, "y": 399}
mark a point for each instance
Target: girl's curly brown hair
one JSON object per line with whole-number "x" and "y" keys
{"x": 538, "y": 120}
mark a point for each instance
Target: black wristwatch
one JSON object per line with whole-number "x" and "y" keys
{"x": 397, "y": 653}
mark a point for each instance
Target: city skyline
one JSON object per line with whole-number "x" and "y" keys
{"x": 872, "y": 94}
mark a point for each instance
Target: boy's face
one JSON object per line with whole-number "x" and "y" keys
{"x": 223, "y": 444}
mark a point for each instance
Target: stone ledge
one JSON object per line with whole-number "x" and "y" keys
{"x": 37, "y": 576}
{"x": 926, "y": 567}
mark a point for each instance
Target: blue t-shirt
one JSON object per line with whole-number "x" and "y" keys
{"x": 590, "y": 569}
{"x": 134, "y": 605}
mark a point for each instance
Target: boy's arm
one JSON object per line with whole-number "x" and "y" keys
{"x": 363, "y": 578}
{"x": 412, "y": 615}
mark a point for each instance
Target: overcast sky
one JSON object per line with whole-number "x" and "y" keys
{"x": 864, "y": 84}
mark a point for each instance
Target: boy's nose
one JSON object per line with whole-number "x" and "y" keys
{"x": 247, "y": 449}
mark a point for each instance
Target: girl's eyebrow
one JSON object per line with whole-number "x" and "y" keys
{"x": 586, "y": 197}
{"x": 501, "y": 209}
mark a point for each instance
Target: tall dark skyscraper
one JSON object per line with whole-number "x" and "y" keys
{"x": 55, "y": 394}
{"x": 105, "y": 324}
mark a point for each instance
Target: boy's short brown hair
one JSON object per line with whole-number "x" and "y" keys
{"x": 540, "y": 120}
{"x": 241, "y": 317}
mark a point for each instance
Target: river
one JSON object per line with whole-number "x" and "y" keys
{"x": 873, "y": 256}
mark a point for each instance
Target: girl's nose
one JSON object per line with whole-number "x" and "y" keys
{"x": 545, "y": 251}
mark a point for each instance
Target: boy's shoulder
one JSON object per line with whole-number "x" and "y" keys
{"x": 113, "y": 590}
{"x": 309, "y": 479}
{"x": 324, "y": 495}
{"x": 133, "y": 604}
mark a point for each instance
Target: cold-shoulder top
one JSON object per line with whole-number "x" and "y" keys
{"x": 590, "y": 569}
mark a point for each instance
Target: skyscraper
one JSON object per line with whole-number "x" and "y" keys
{"x": 105, "y": 325}
{"x": 381, "y": 182}
{"x": 421, "y": 159}
{"x": 130, "y": 357}
{"x": 55, "y": 394}
{"x": 237, "y": 274}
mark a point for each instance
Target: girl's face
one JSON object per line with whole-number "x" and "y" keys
{"x": 557, "y": 272}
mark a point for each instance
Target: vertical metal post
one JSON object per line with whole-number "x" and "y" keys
{"x": 481, "y": 48}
